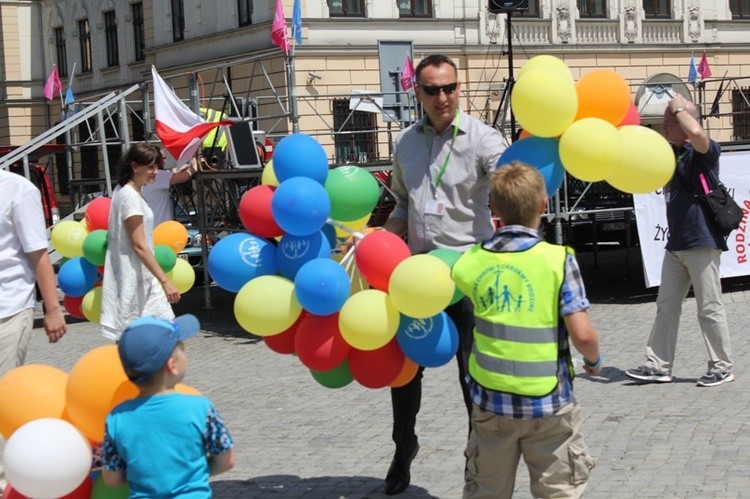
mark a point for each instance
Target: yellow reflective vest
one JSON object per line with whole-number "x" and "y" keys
{"x": 516, "y": 305}
{"x": 212, "y": 116}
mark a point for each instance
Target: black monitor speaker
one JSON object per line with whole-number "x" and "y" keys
{"x": 500, "y": 6}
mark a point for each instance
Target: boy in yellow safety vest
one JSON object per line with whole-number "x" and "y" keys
{"x": 528, "y": 299}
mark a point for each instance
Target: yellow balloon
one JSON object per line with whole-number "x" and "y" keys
{"x": 544, "y": 101}
{"x": 368, "y": 320}
{"x": 545, "y": 61}
{"x": 182, "y": 276}
{"x": 67, "y": 238}
{"x": 91, "y": 305}
{"x": 421, "y": 286}
{"x": 268, "y": 177}
{"x": 591, "y": 149}
{"x": 84, "y": 224}
{"x": 267, "y": 305}
{"x": 30, "y": 392}
{"x": 647, "y": 164}
{"x": 355, "y": 225}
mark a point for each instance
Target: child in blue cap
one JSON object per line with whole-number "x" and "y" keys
{"x": 163, "y": 443}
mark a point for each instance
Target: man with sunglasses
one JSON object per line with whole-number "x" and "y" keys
{"x": 441, "y": 182}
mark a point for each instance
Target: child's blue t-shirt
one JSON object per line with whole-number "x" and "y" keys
{"x": 162, "y": 442}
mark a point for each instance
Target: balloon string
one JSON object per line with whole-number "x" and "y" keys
{"x": 348, "y": 259}
{"x": 357, "y": 235}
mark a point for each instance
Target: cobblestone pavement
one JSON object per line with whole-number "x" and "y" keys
{"x": 295, "y": 438}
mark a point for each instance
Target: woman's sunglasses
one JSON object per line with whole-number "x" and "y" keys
{"x": 435, "y": 89}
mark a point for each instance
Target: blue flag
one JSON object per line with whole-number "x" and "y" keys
{"x": 69, "y": 96}
{"x": 297, "y": 22}
{"x": 693, "y": 73}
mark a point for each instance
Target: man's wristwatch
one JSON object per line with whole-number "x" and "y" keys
{"x": 678, "y": 110}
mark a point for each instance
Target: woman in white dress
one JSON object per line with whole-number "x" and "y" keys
{"x": 134, "y": 284}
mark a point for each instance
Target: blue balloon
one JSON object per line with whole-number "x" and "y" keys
{"x": 300, "y": 206}
{"x": 542, "y": 154}
{"x": 295, "y": 251}
{"x": 322, "y": 286}
{"x": 240, "y": 257}
{"x": 76, "y": 277}
{"x": 430, "y": 342}
{"x": 299, "y": 155}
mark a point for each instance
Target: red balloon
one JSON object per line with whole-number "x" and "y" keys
{"x": 377, "y": 254}
{"x": 97, "y": 214}
{"x": 83, "y": 491}
{"x": 632, "y": 117}
{"x": 73, "y": 305}
{"x": 255, "y": 212}
{"x": 319, "y": 343}
{"x": 377, "y": 368}
{"x": 284, "y": 341}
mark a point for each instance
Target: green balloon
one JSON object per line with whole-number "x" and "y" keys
{"x": 165, "y": 257}
{"x": 338, "y": 377}
{"x": 449, "y": 256}
{"x": 353, "y": 191}
{"x": 101, "y": 490}
{"x": 95, "y": 247}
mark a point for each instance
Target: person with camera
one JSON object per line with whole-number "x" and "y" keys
{"x": 692, "y": 255}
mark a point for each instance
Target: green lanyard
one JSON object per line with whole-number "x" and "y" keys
{"x": 436, "y": 183}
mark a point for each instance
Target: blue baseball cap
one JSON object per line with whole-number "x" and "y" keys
{"x": 148, "y": 342}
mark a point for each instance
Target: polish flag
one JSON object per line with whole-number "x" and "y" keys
{"x": 181, "y": 130}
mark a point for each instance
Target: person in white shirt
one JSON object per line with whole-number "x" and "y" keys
{"x": 23, "y": 261}
{"x": 157, "y": 194}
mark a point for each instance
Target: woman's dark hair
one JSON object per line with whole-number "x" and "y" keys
{"x": 140, "y": 154}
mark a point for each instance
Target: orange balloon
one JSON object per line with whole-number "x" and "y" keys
{"x": 96, "y": 384}
{"x": 524, "y": 133}
{"x": 406, "y": 375}
{"x": 30, "y": 392}
{"x": 172, "y": 234}
{"x": 603, "y": 94}
{"x": 187, "y": 390}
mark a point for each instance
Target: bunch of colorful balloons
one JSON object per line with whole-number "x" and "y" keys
{"x": 590, "y": 128}
{"x": 83, "y": 246}
{"x": 372, "y": 315}
{"x": 52, "y": 420}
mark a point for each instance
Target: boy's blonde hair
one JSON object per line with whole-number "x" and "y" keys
{"x": 517, "y": 193}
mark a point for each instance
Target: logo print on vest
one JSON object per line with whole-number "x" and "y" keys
{"x": 503, "y": 288}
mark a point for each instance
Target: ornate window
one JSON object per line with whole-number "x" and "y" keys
{"x": 139, "y": 34}
{"x": 110, "y": 35}
{"x": 415, "y": 8}
{"x": 245, "y": 12}
{"x": 592, "y": 8}
{"x": 348, "y": 8}
{"x": 657, "y": 9}
{"x": 62, "y": 52}
{"x": 84, "y": 42}
{"x": 532, "y": 11}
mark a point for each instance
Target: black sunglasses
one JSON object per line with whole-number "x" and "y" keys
{"x": 435, "y": 89}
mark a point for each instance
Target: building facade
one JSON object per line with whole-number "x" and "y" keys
{"x": 354, "y": 47}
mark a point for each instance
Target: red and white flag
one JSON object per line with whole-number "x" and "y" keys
{"x": 53, "y": 85}
{"x": 181, "y": 130}
{"x": 279, "y": 34}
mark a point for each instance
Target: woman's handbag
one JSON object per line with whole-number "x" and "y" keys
{"x": 725, "y": 213}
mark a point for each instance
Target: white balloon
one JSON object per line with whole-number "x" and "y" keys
{"x": 46, "y": 458}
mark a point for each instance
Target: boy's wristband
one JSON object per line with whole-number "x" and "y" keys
{"x": 596, "y": 366}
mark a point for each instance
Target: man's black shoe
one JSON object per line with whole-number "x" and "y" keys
{"x": 399, "y": 474}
